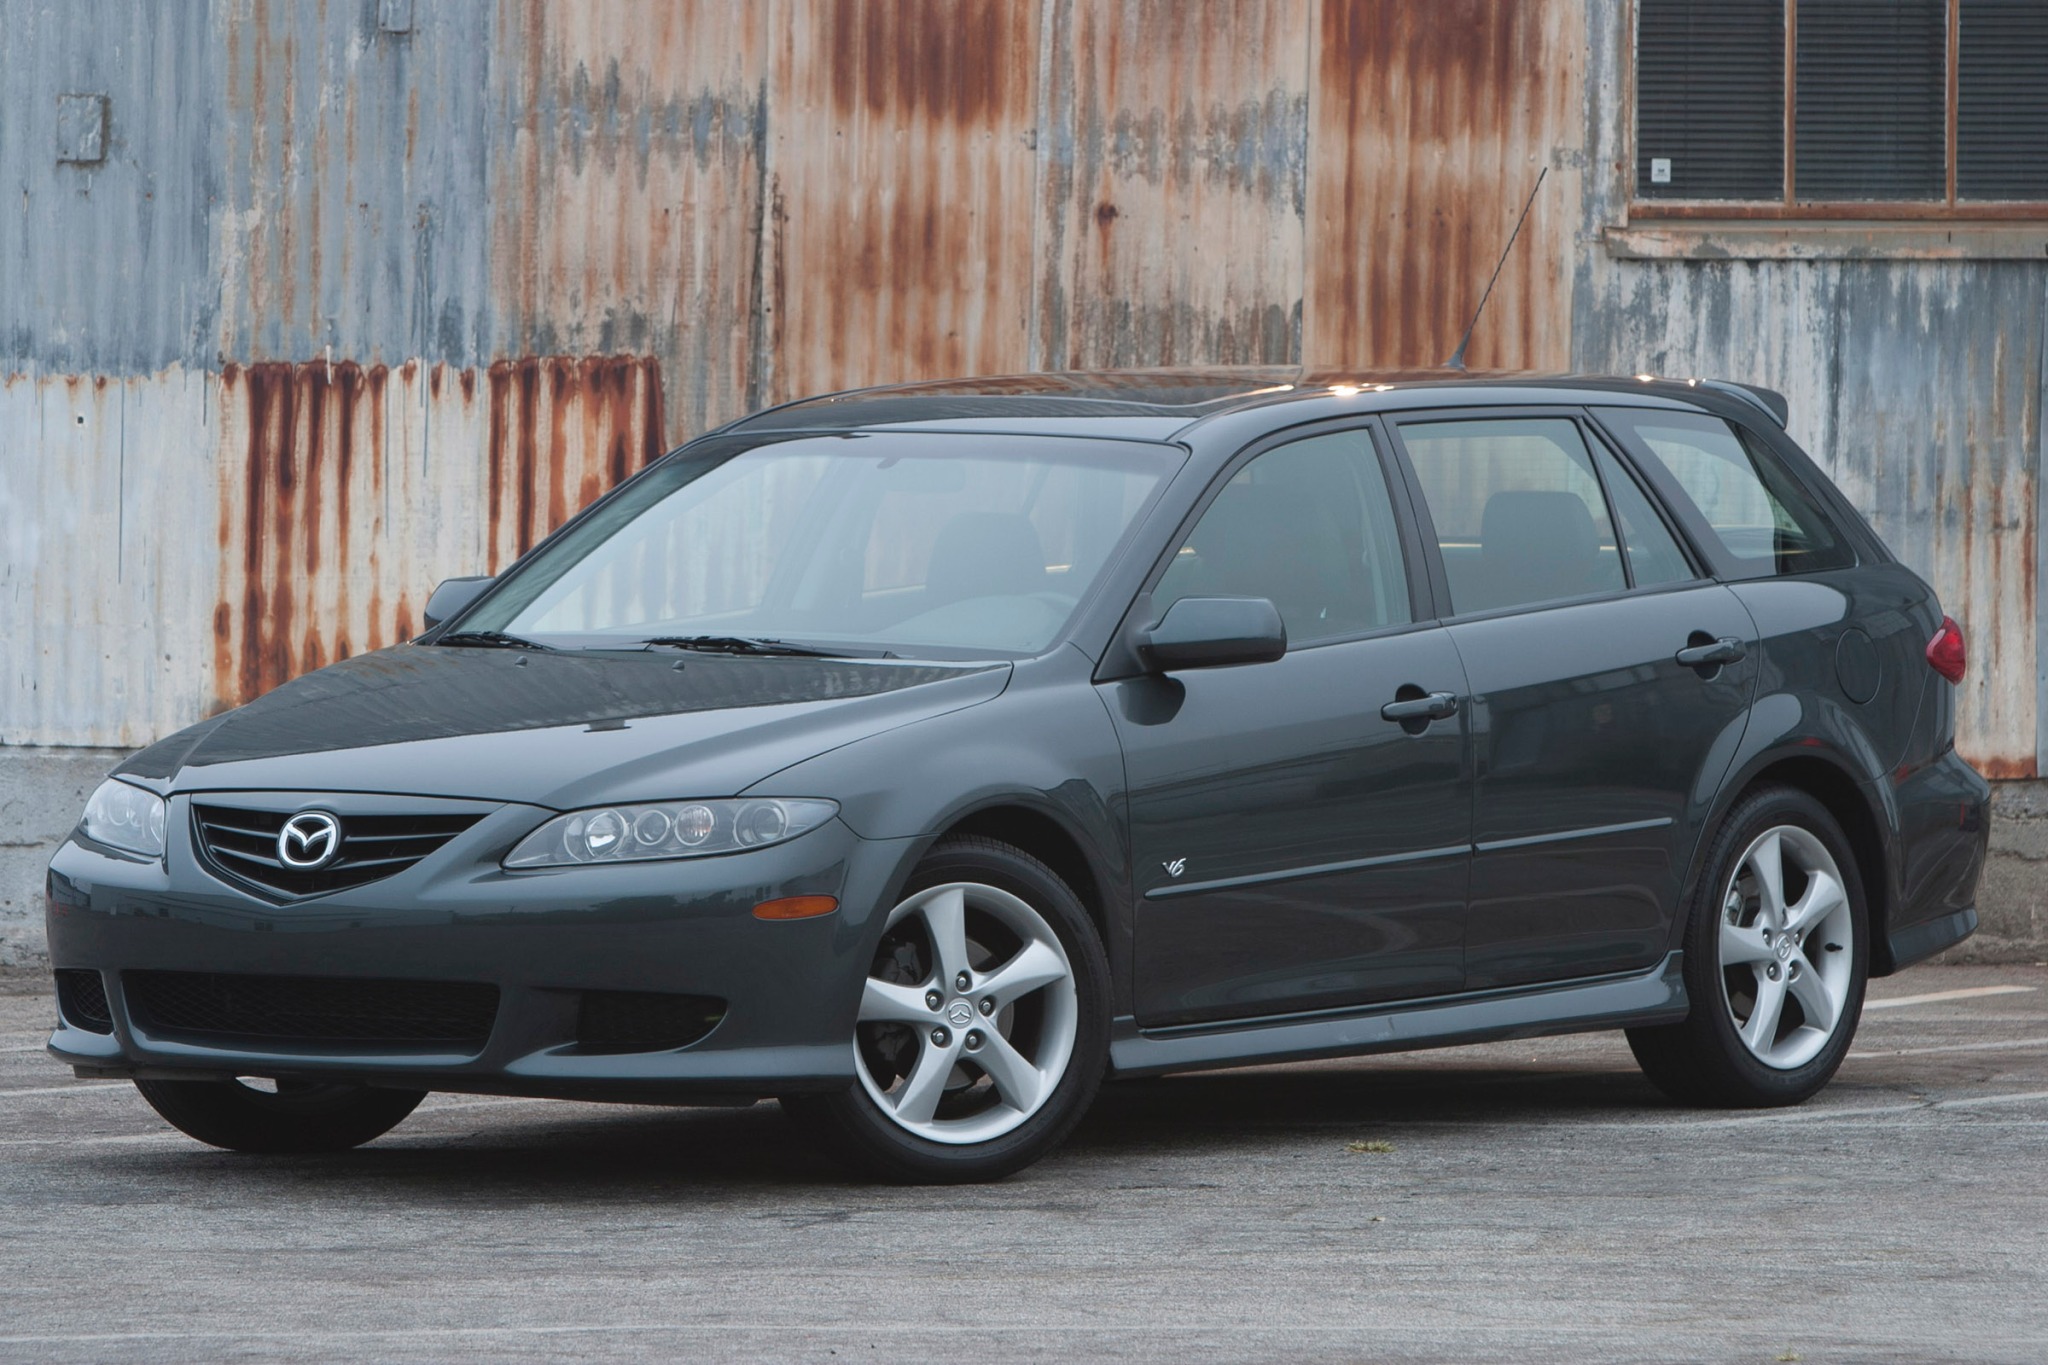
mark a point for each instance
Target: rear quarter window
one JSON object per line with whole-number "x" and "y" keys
{"x": 1765, "y": 523}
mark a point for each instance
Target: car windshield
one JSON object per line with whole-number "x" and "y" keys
{"x": 929, "y": 544}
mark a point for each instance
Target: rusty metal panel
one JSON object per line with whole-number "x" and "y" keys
{"x": 106, "y": 265}
{"x": 105, "y": 564}
{"x": 1428, "y": 126}
{"x": 625, "y": 192}
{"x": 354, "y": 188}
{"x": 1175, "y": 151}
{"x": 1938, "y": 417}
{"x": 901, "y": 181}
{"x": 345, "y": 492}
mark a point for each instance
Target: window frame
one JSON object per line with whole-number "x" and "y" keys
{"x": 1589, "y": 432}
{"x": 1789, "y": 207}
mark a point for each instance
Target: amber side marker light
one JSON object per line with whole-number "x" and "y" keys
{"x": 796, "y": 907}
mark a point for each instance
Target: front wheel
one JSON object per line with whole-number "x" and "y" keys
{"x": 1776, "y": 957}
{"x": 982, "y": 1031}
{"x": 296, "y": 1116}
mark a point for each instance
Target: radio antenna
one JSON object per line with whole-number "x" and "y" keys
{"x": 1457, "y": 360}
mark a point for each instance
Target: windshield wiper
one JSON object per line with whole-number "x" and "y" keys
{"x": 741, "y": 644}
{"x": 492, "y": 639}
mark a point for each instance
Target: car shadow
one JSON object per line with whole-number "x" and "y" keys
{"x": 469, "y": 1152}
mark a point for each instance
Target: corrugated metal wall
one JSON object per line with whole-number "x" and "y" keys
{"x": 344, "y": 311}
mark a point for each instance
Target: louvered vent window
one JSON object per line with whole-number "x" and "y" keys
{"x": 1871, "y": 91}
{"x": 1879, "y": 108}
{"x": 1710, "y": 117}
{"x": 2002, "y": 108}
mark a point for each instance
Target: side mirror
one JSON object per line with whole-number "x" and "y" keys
{"x": 1210, "y": 632}
{"x": 452, "y": 597}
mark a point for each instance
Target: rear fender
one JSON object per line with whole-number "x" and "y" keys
{"x": 1817, "y": 735}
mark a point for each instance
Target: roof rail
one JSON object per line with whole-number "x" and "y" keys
{"x": 1770, "y": 401}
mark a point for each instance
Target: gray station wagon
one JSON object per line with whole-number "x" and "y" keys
{"x": 922, "y": 756}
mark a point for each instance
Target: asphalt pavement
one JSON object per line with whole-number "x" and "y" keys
{"x": 1526, "y": 1201}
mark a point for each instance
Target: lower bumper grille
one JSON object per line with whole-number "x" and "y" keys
{"x": 644, "y": 1021}
{"x": 82, "y": 1000}
{"x": 313, "y": 1009}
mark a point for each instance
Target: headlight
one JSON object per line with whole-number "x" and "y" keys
{"x": 667, "y": 829}
{"x": 125, "y": 817}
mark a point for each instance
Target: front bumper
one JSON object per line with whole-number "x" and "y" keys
{"x": 542, "y": 938}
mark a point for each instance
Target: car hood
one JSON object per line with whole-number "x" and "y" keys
{"x": 557, "y": 730}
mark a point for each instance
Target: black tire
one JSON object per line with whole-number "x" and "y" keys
{"x": 854, "y": 1126}
{"x": 301, "y": 1116}
{"x": 1703, "y": 1060}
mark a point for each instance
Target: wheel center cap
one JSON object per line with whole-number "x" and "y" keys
{"x": 1785, "y": 948}
{"x": 959, "y": 1014}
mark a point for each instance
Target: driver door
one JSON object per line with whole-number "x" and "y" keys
{"x": 1295, "y": 850}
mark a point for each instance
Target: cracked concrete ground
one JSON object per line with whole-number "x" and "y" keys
{"x": 1539, "y": 1202}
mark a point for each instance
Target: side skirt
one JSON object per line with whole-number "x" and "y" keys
{"x": 1656, "y": 996}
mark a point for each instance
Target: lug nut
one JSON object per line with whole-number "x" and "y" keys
{"x": 1772, "y": 971}
{"x": 940, "y": 1037}
{"x": 988, "y": 1005}
{"x": 963, "y": 981}
{"x": 932, "y": 1000}
{"x": 973, "y": 1041}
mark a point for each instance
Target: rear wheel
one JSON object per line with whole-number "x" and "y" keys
{"x": 1776, "y": 958}
{"x": 982, "y": 1031}
{"x": 296, "y": 1116}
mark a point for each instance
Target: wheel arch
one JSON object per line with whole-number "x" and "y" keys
{"x": 1048, "y": 838}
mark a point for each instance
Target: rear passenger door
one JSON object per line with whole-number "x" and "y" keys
{"x": 1570, "y": 600}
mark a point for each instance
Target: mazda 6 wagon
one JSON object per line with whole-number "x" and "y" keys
{"x": 922, "y": 756}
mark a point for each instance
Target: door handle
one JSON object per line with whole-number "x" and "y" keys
{"x": 1726, "y": 650}
{"x": 1430, "y": 706}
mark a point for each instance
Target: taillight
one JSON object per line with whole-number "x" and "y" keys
{"x": 1945, "y": 652}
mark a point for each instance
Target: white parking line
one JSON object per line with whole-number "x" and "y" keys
{"x": 1973, "y": 993}
{"x": 106, "y": 1140}
{"x": 2005, "y": 1046}
{"x": 66, "y": 1089}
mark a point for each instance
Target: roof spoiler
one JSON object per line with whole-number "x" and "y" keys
{"x": 1770, "y": 401}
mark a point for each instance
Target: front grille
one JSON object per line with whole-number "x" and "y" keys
{"x": 644, "y": 1021}
{"x": 242, "y": 844}
{"x": 313, "y": 1009}
{"x": 82, "y": 1000}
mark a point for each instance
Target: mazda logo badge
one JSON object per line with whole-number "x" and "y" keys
{"x": 308, "y": 840}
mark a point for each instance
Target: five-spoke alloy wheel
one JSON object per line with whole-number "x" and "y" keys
{"x": 976, "y": 1041}
{"x": 1786, "y": 927}
{"x": 982, "y": 1028}
{"x": 1776, "y": 956}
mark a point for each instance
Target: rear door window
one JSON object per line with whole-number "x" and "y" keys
{"x": 1762, "y": 520}
{"x": 1518, "y": 510}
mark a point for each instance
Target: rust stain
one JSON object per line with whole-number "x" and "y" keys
{"x": 329, "y": 529}
{"x": 938, "y": 61}
{"x": 917, "y": 164}
{"x": 1432, "y": 124}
